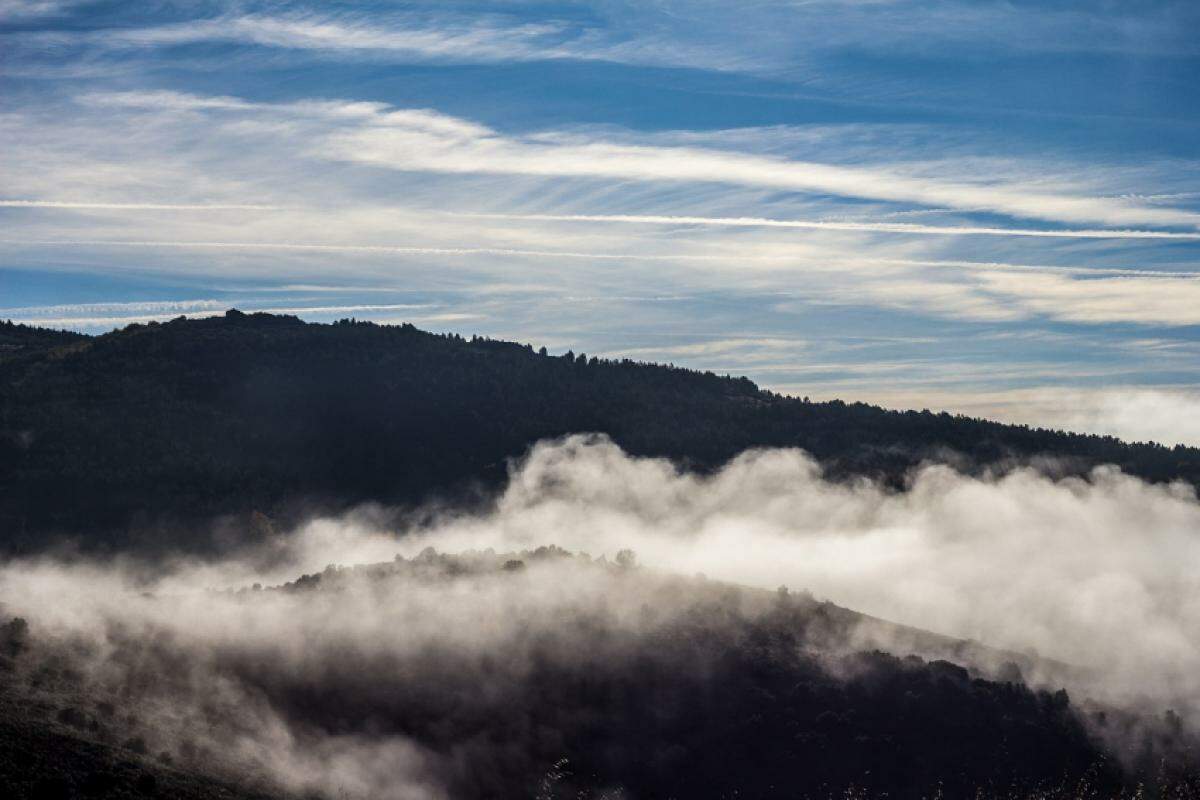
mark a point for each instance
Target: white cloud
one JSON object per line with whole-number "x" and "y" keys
{"x": 392, "y": 142}
{"x": 1164, "y": 301}
{"x": 83, "y": 204}
{"x": 26, "y": 9}
{"x": 422, "y": 140}
{"x": 487, "y": 39}
{"x": 998, "y": 296}
{"x": 151, "y": 183}
{"x": 1069, "y": 568}
{"x": 1099, "y": 573}
{"x": 1165, "y": 415}
{"x": 135, "y": 307}
{"x": 426, "y": 140}
{"x": 377, "y": 249}
{"x": 836, "y": 225}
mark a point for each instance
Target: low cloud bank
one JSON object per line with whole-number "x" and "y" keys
{"x": 1099, "y": 573}
{"x": 1168, "y": 416}
{"x": 307, "y": 686}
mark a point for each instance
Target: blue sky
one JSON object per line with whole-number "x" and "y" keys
{"x": 988, "y": 207}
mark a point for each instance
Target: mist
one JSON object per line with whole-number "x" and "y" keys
{"x": 1099, "y": 573}
{"x": 304, "y": 689}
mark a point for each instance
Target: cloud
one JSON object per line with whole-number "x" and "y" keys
{"x": 1170, "y": 301}
{"x": 836, "y": 225}
{"x": 788, "y": 38}
{"x": 477, "y": 38}
{"x": 1133, "y": 413}
{"x": 106, "y": 316}
{"x": 740, "y": 281}
{"x": 1097, "y": 573}
{"x": 299, "y": 686}
{"x": 952, "y": 289}
{"x": 28, "y": 9}
{"x": 1165, "y": 415}
{"x": 999, "y": 296}
{"x": 426, "y": 140}
{"x": 394, "y": 249}
{"x": 342, "y": 139}
{"x": 392, "y": 141}
{"x": 439, "y": 33}
{"x": 913, "y": 26}
{"x": 85, "y": 205}
{"x": 438, "y": 37}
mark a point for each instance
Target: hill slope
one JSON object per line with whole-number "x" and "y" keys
{"x": 538, "y": 673}
{"x": 143, "y": 430}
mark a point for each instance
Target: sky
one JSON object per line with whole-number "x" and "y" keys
{"x": 983, "y": 207}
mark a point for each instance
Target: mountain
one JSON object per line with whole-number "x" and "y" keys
{"x": 613, "y": 681}
{"x": 141, "y": 437}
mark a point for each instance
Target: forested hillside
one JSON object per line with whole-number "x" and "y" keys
{"x": 140, "y": 433}
{"x": 615, "y": 682}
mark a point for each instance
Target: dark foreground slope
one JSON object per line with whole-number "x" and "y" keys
{"x": 615, "y": 682}
{"x": 150, "y": 427}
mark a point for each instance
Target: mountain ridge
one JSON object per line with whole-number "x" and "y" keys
{"x": 125, "y": 437}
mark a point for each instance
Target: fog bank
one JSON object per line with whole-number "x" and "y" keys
{"x": 306, "y": 688}
{"x": 1100, "y": 573}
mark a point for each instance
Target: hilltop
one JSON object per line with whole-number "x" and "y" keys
{"x": 141, "y": 436}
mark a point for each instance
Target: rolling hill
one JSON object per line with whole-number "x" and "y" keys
{"x": 141, "y": 437}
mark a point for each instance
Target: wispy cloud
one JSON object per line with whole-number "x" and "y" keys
{"x": 384, "y": 249}
{"x": 97, "y": 205}
{"x": 442, "y": 34}
{"x": 472, "y": 38}
{"x": 399, "y": 140}
{"x": 66, "y": 310}
{"x": 741, "y": 257}
{"x": 424, "y": 140}
{"x": 777, "y": 38}
{"x": 1096, "y": 300}
{"x": 28, "y": 9}
{"x": 835, "y": 225}
{"x": 1004, "y": 296}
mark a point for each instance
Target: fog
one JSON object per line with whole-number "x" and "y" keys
{"x": 1098, "y": 572}
{"x": 305, "y": 686}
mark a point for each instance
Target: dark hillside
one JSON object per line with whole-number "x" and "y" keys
{"x": 18, "y": 340}
{"x": 152, "y": 427}
{"x": 711, "y": 691}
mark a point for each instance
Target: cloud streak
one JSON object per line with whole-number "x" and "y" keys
{"x": 107, "y": 206}
{"x": 422, "y": 140}
{"x": 835, "y": 225}
{"x": 729, "y": 258}
{"x": 483, "y": 39}
{"x": 382, "y": 249}
{"x": 418, "y": 139}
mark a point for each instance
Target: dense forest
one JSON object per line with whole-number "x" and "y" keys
{"x": 141, "y": 435}
{"x": 626, "y": 683}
